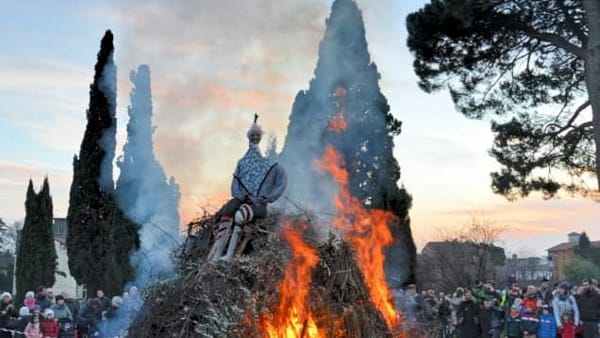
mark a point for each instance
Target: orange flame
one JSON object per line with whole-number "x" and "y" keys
{"x": 338, "y": 122}
{"x": 368, "y": 232}
{"x": 293, "y": 318}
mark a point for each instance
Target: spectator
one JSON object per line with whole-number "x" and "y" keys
{"x": 50, "y": 296}
{"x": 22, "y": 321}
{"x": 7, "y": 315}
{"x": 547, "y": 324}
{"x": 89, "y": 317}
{"x": 71, "y": 304}
{"x": 60, "y": 309}
{"x": 588, "y": 302}
{"x": 104, "y": 300}
{"x": 544, "y": 293}
{"x": 42, "y": 299}
{"x": 513, "y": 323}
{"x": 491, "y": 319}
{"x": 29, "y": 300}
{"x": 49, "y": 325}
{"x": 34, "y": 327}
{"x": 529, "y": 321}
{"x": 566, "y": 311}
{"x": 469, "y": 316}
{"x": 530, "y": 300}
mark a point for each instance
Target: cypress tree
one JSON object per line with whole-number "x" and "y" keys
{"x": 36, "y": 254}
{"x": 100, "y": 238}
{"x": 346, "y": 86}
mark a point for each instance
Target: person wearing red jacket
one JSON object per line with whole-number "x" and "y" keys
{"x": 49, "y": 325}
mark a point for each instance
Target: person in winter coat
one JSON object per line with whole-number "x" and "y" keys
{"x": 545, "y": 292}
{"x": 60, "y": 309}
{"x": 469, "y": 317}
{"x": 257, "y": 181}
{"x": 24, "y": 319}
{"x": 34, "y": 327}
{"x": 49, "y": 325}
{"x": 588, "y": 301}
{"x": 89, "y": 317}
{"x": 29, "y": 300}
{"x": 492, "y": 317}
{"x": 42, "y": 298}
{"x": 513, "y": 323}
{"x": 7, "y": 315}
{"x": 547, "y": 324}
{"x": 529, "y": 322}
{"x": 530, "y": 299}
{"x": 564, "y": 305}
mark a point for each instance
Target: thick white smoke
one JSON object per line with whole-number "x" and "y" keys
{"x": 108, "y": 142}
{"x": 143, "y": 191}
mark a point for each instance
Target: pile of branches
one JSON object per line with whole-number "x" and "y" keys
{"x": 228, "y": 299}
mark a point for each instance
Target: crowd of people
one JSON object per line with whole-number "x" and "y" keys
{"x": 543, "y": 311}
{"x": 42, "y": 314}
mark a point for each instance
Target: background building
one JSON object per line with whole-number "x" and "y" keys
{"x": 561, "y": 254}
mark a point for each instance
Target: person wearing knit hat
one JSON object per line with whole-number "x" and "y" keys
{"x": 566, "y": 311}
{"x": 256, "y": 182}
{"x": 7, "y": 313}
{"x": 24, "y": 318}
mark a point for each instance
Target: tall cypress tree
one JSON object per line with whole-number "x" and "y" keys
{"x": 36, "y": 254}
{"x": 100, "y": 238}
{"x": 346, "y": 86}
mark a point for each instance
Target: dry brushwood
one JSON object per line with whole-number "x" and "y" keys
{"x": 228, "y": 299}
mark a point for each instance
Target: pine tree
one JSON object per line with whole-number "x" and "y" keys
{"x": 100, "y": 238}
{"x": 533, "y": 67}
{"x": 36, "y": 254}
{"x": 345, "y": 86}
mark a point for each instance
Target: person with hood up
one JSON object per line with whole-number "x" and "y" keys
{"x": 29, "y": 300}
{"x": 7, "y": 315}
{"x": 566, "y": 311}
{"x": 22, "y": 321}
{"x": 513, "y": 322}
{"x": 49, "y": 326}
{"x": 257, "y": 181}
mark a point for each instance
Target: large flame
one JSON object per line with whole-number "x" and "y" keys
{"x": 293, "y": 318}
{"x": 368, "y": 232}
{"x": 338, "y": 122}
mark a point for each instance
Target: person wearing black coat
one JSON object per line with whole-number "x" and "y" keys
{"x": 588, "y": 302}
{"x": 7, "y": 315}
{"x": 468, "y": 317}
{"x": 24, "y": 318}
{"x": 492, "y": 317}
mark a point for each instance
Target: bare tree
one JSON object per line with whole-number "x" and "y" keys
{"x": 463, "y": 256}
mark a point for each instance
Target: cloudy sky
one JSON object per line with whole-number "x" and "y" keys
{"x": 215, "y": 63}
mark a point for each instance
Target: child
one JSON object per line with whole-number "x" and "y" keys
{"x": 529, "y": 321}
{"x": 547, "y": 324}
{"x": 33, "y": 328}
{"x": 49, "y": 325}
{"x": 568, "y": 327}
{"x": 513, "y": 323}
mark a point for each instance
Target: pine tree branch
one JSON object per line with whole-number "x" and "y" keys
{"x": 579, "y": 33}
{"x": 553, "y": 39}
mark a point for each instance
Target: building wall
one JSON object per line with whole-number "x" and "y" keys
{"x": 63, "y": 284}
{"x": 560, "y": 259}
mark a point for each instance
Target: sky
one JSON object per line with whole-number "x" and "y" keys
{"x": 213, "y": 64}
